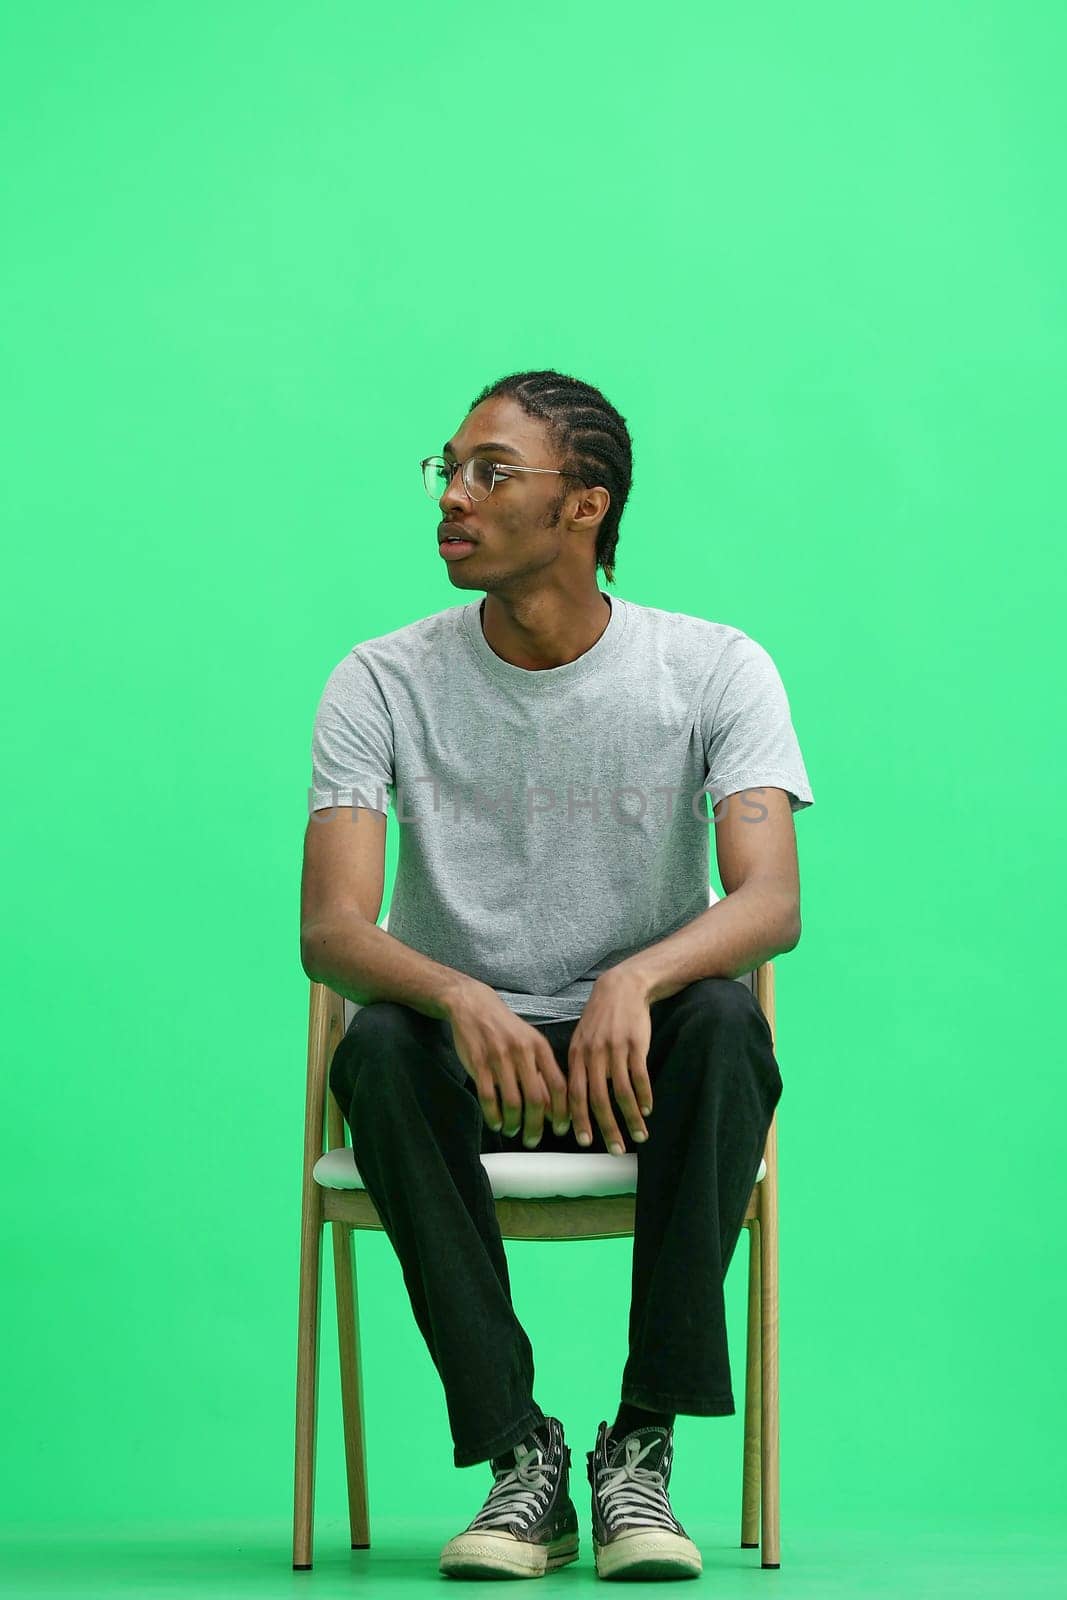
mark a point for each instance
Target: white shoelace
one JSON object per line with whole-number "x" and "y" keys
{"x": 632, "y": 1493}
{"x": 519, "y": 1491}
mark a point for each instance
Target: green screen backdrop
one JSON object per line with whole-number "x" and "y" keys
{"x": 259, "y": 260}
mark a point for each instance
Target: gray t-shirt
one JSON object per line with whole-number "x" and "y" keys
{"x": 552, "y": 823}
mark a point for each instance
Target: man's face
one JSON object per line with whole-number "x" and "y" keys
{"x": 524, "y": 525}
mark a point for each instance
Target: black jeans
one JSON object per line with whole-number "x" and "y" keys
{"x": 417, "y": 1135}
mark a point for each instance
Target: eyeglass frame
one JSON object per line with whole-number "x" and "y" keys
{"x": 501, "y": 466}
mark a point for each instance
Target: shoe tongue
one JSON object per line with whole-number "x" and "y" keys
{"x": 654, "y": 1435}
{"x": 539, "y": 1435}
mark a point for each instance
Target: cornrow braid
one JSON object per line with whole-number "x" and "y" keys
{"x": 590, "y": 435}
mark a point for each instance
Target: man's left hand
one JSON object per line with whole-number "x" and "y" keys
{"x": 608, "y": 1050}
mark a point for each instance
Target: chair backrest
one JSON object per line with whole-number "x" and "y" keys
{"x": 747, "y": 978}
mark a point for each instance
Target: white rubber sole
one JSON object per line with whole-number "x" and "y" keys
{"x": 648, "y": 1553}
{"x": 501, "y": 1555}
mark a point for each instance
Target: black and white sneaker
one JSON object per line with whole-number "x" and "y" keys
{"x": 528, "y": 1524}
{"x": 635, "y": 1532}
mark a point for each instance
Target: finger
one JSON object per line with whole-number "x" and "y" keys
{"x": 489, "y": 1100}
{"x": 578, "y": 1102}
{"x": 535, "y": 1097}
{"x": 555, "y": 1087}
{"x": 510, "y": 1098}
{"x": 641, "y": 1081}
{"x": 625, "y": 1098}
{"x": 600, "y": 1101}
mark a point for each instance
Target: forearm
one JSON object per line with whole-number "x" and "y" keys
{"x": 737, "y": 933}
{"x": 365, "y": 963}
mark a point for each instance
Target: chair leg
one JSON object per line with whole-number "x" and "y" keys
{"x": 771, "y": 1555}
{"x": 750, "y": 1477}
{"x": 307, "y": 1386}
{"x": 351, "y": 1383}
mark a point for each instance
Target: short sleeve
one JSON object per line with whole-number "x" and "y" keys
{"x": 749, "y": 738}
{"x": 352, "y": 741}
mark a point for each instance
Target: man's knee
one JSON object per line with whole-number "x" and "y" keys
{"x": 721, "y": 1000}
{"x": 376, "y": 1044}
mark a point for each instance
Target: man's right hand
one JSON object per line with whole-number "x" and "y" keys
{"x": 511, "y": 1062}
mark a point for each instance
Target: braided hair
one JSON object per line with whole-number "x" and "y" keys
{"x": 589, "y": 434}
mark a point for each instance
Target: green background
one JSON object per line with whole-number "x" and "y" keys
{"x": 259, "y": 260}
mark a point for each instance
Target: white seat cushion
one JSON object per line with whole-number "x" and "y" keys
{"x": 519, "y": 1174}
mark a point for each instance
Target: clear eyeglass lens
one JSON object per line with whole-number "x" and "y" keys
{"x": 435, "y": 477}
{"x": 477, "y": 477}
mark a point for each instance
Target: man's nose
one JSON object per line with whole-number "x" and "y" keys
{"x": 456, "y": 493}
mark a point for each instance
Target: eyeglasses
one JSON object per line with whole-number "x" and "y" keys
{"x": 480, "y": 477}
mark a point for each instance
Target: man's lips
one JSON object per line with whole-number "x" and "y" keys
{"x": 449, "y": 530}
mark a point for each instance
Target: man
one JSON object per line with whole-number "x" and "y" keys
{"x": 552, "y": 964}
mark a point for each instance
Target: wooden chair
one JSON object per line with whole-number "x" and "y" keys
{"x": 594, "y": 1199}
